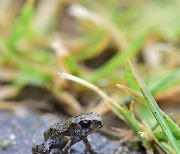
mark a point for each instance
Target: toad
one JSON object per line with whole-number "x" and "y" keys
{"x": 62, "y": 135}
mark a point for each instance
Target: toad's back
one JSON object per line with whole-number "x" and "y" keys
{"x": 55, "y": 135}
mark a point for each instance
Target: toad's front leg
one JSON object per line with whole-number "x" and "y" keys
{"x": 68, "y": 145}
{"x": 88, "y": 146}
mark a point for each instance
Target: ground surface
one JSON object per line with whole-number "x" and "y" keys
{"x": 19, "y": 132}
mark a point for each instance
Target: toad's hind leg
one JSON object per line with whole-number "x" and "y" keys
{"x": 55, "y": 151}
{"x": 39, "y": 149}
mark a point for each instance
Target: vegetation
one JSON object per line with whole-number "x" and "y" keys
{"x": 94, "y": 42}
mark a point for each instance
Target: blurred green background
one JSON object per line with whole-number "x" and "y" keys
{"x": 92, "y": 40}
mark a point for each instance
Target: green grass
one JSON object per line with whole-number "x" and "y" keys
{"x": 157, "y": 113}
{"x": 169, "y": 128}
{"x": 118, "y": 60}
{"x": 127, "y": 29}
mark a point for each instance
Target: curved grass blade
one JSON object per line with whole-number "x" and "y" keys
{"x": 121, "y": 112}
{"x": 156, "y": 111}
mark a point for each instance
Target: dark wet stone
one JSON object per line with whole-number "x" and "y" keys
{"x": 19, "y": 132}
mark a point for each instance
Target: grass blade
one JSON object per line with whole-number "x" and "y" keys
{"x": 128, "y": 76}
{"x": 166, "y": 81}
{"x": 119, "y": 59}
{"x": 121, "y": 112}
{"x": 22, "y": 24}
{"x": 156, "y": 112}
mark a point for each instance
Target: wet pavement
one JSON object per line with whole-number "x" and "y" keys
{"x": 22, "y": 129}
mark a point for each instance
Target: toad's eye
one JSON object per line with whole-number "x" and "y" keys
{"x": 85, "y": 124}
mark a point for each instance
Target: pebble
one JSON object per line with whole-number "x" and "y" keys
{"x": 5, "y": 144}
{"x": 12, "y": 137}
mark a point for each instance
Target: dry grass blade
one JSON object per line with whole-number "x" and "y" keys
{"x": 135, "y": 94}
{"x": 8, "y": 92}
{"x": 125, "y": 134}
{"x": 10, "y": 105}
{"x": 118, "y": 109}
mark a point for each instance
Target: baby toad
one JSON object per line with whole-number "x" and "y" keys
{"x": 61, "y": 136}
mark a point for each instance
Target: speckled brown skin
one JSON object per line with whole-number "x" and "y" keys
{"x": 61, "y": 136}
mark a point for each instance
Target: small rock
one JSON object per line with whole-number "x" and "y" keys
{"x": 5, "y": 144}
{"x": 12, "y": 137}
